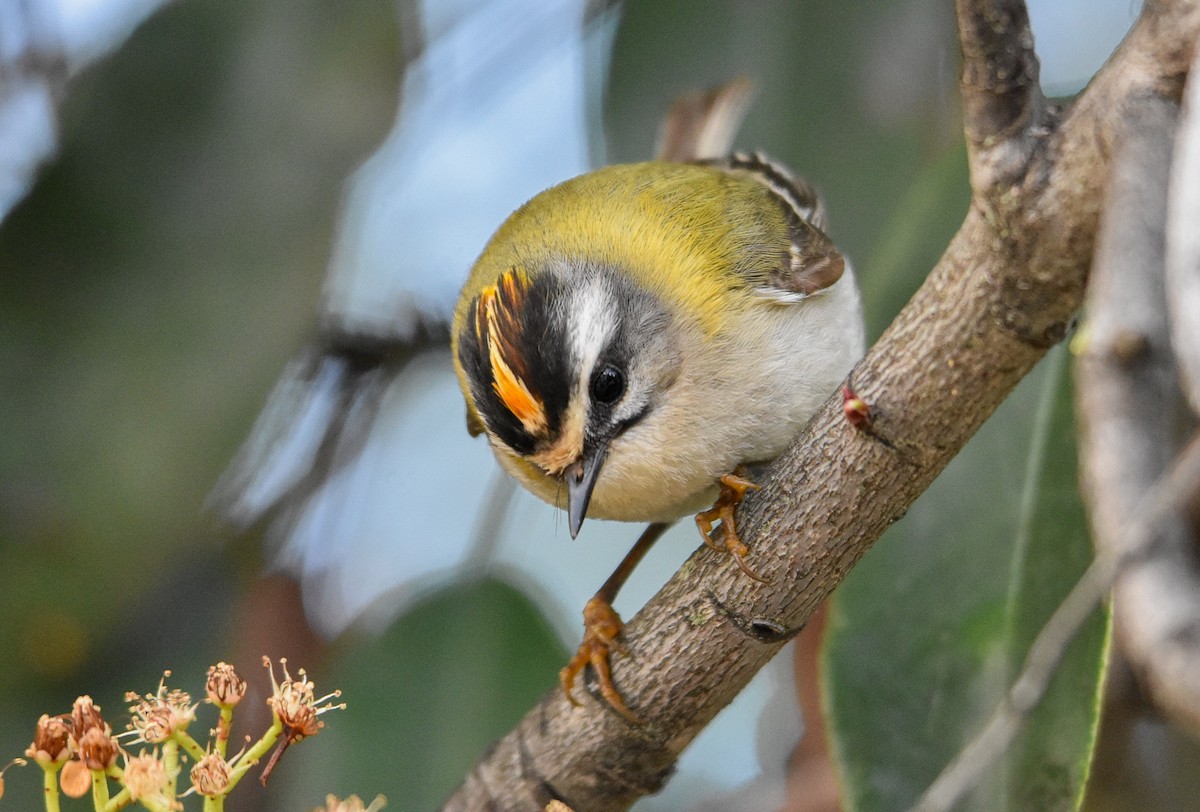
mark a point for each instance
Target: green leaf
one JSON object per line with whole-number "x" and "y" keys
{"x": 931, "y": 628}
{"x": 921, "y": 226}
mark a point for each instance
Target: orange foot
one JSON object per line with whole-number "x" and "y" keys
{"x": 601, "y": 632}
{"x": 733, "y": 491}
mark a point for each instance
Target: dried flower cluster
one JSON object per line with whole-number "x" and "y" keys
{"x": 296, "y": 709}
{"x": 146, "y": 778}
{"x": 157, "y": 716}
{"x": 211, "y": 775}
{"x": 79, "y": 753}
{"x": 294, "y": 704}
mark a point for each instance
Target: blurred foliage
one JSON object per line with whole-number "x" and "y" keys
{"x": 932, "y": 627}
{"x": 167, "y": 264}
{"x": 152, "y": 285}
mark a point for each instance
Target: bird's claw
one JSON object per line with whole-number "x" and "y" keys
{"x": 602, "y": 629}
{"x": 733, "y": 490}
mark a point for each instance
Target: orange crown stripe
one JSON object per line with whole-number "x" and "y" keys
{"x": 496, "y": 302}
{"x": 517, "y": 398}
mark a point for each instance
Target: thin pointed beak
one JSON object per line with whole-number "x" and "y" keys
{"x": 581, "y": 479}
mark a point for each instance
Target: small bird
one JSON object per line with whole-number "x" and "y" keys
{"x": 631, "y": 339}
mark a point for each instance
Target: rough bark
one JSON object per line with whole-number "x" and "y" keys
{"x": 1005, "y": 290}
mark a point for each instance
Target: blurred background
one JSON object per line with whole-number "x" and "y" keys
{"x": 177, "y": 184}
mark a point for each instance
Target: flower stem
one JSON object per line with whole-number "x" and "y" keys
{"x": 170, "y": 757}
{"x": 188, "y": 743}
{"x": 99, "y": 790}
{"x": 119, "y": 801}
{"x": 255, "y": 753}
{"x": 223, "y": 725}
{"x": 50, "y": 786}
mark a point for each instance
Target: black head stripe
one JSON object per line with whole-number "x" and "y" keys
{"x": 533, "y": 343}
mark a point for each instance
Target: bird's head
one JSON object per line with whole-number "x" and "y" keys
{"x": 559, "y": 362}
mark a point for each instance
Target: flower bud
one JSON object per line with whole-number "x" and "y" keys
{"x": 98, "y": 749}
{"x": 51, "y": 740}
{"x": 224, "y": 687}
{"x": 85, "y": 716}
{"x": 857, "y": 410}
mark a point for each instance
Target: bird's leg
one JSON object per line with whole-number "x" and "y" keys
{"x": 733, "y": 491}
{"x": 602, "y": 628}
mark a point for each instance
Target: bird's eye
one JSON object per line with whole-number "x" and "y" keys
{"x": 608, "y": 384}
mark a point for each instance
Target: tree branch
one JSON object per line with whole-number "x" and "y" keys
{"x": 1003, "y": 106}
{"x": 1132, "y": 413}
{"x": 1004, "y": 291}
{"x": 1183, "y": 245}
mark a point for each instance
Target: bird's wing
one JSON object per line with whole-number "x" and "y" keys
{"x": 810, "y": 262}
{"x": 700, "y": 127}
